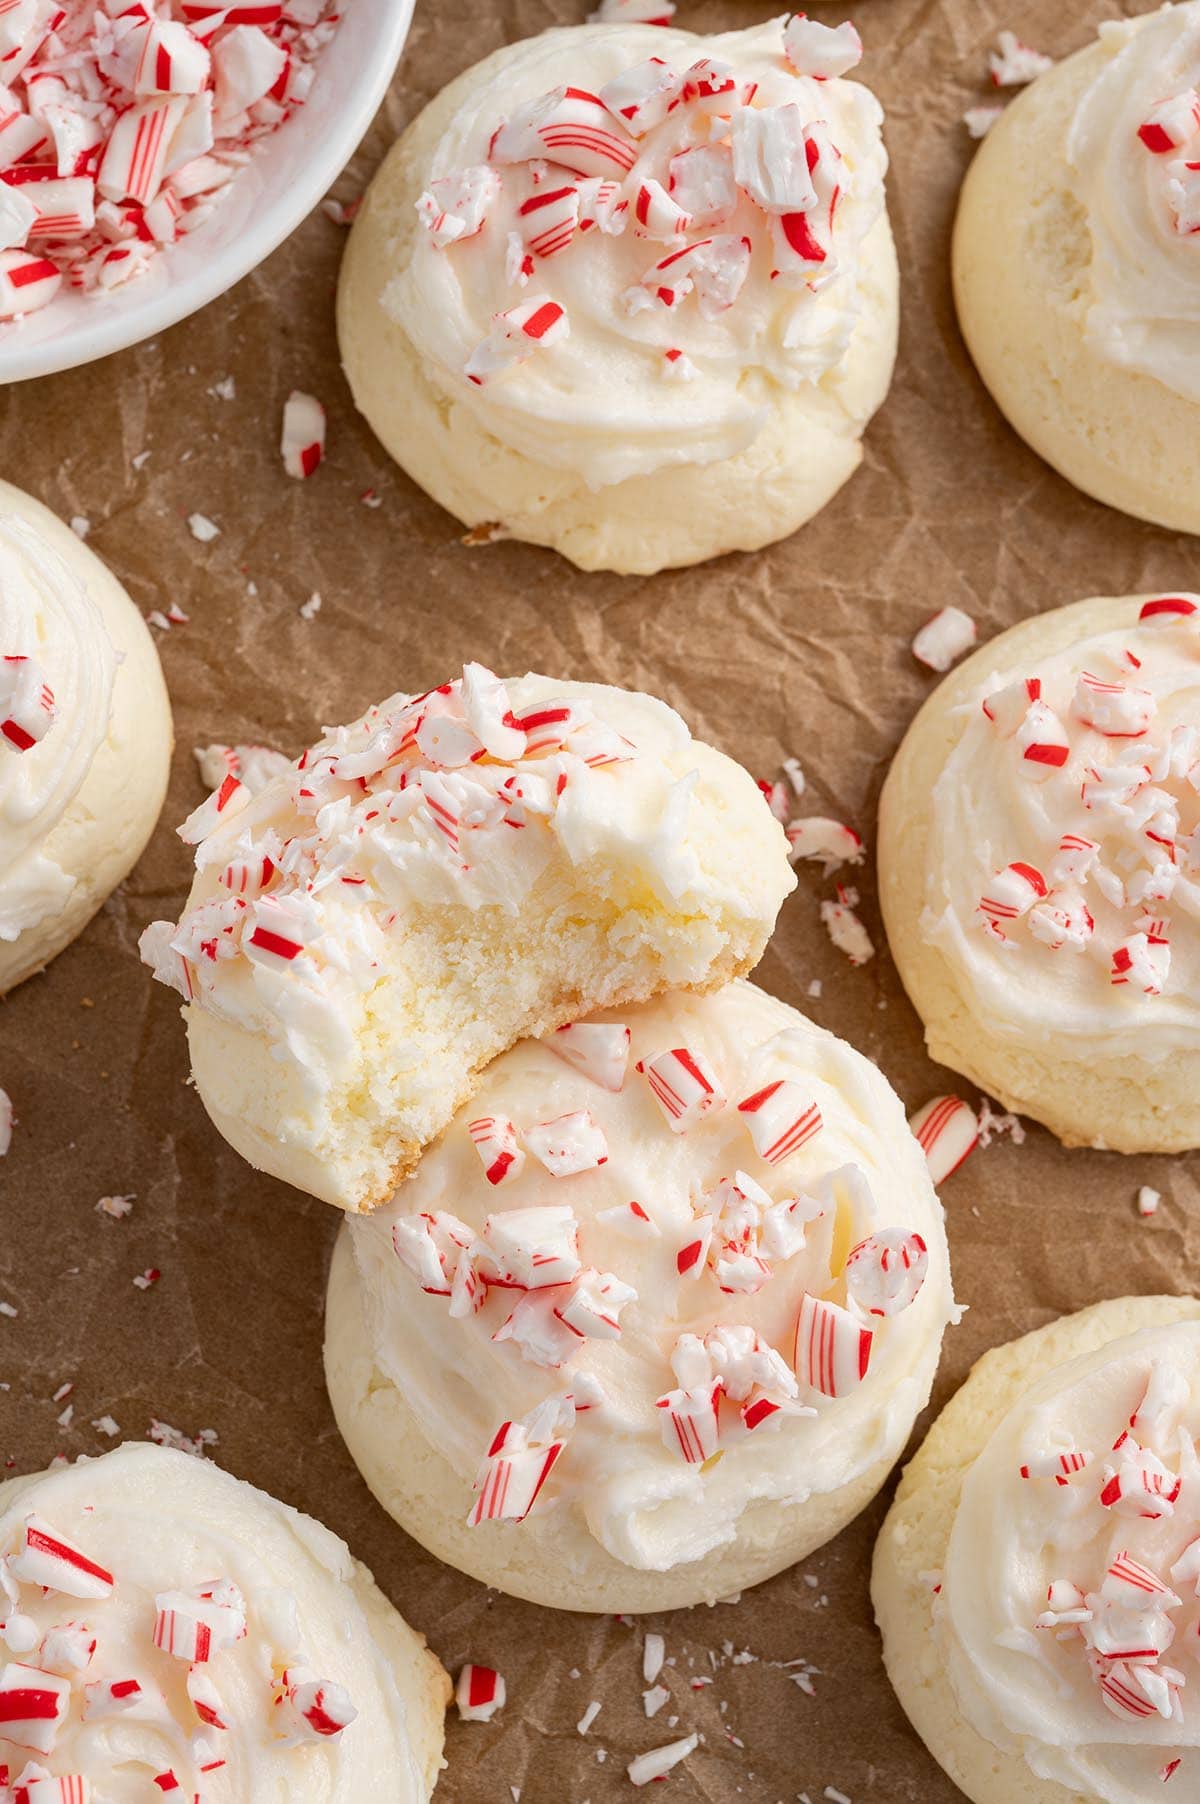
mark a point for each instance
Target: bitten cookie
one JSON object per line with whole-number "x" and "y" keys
{"x": 1039, "y": 863}
{"x": 85, "y": 735}
{"x": 655, "y": 1316}
{"x": 1077, "y": 265}
{"x": 1036, "y": 1579}
{"x": 629, "y": 292}
{"x": 165, "y": 1625}
{"x": 424, "y": 886}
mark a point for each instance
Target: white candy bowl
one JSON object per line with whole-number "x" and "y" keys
{"x": 289, "y": 173}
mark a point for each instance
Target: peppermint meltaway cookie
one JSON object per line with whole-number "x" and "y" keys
{"x": 655, "y": 1316}
{"x": 426, "y": 885}
{"x": 1039, "y": 862}
{"x": 163, "y": 1625}
{"x": 630, "y": 292}
{"x": 1036, "y": 1580}
{"x": 1077, "y": 265}
{"x": 85, "y": 735}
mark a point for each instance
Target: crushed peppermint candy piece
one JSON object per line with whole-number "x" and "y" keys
{"x": 844, "y": 927}
{"x": 316, "y": 1709}
{"x": 684, "y": 1085}
{"x": 833, "y": 1350}
{"x": 496, "y": 1142}
{"x": 947, "y": 1131}
{"x": 455, "y": 207}
{"x": 516, "y": 334}
{"x": 1013, "y": 63}
{"x": 822, "y": 51}
{"x": 780, "y": 1118}
{"x": 600, "y": 1049}
{"x": 302, "y": 440}
{"x": 658, "y": 1762}
{"x": 1172, "y": 123}
{"x": 633, "y": 12}
{"x": 979, "y": 120}
{"x": 48, "y": 1559}
{"x": 33, "y": 1706}
{"x": 885, "y": 1272}
{"x": 816, "y": 836}
{"x": 1148, "y": 1200}
{"x": 479, "y": 1693}
{"x": 27, "y": 705}
{"x": 568, "y": 1145}
{"x": 944, "y": 639}
{"x": 520, "y": 1459}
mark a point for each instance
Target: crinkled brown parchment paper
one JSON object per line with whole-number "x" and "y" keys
{"x": 803, "y": 649}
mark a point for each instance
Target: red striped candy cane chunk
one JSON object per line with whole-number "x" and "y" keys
{"x": 135, "y": 158}
{"x": 1113, "y": 709}
{"x": 537, "y": 1331}
{"x": 657, "y": 214}
{"x": 885, "y": 1272}
{"x": 570, "y": 127}
{"x": 276, "y": 936}
{"x": 302, "y": 439}
{"x": 33, "y": 1706}
{"x": 44, "y": 1788}
{"x": 67, "y": 1648}
{"x": 48, "y": 1559}
{"x": 1121, "y": 1697}
{"x": 602, "y": 206}
{"x": 1066, "y": 1606}
{"x": 1127, "y": 1581}
{"x": 713, "y": 87}
{"x": 591, "y": 1309}
{"x": 247, "y": 66}
{"x": 1067, "y": 923}
{"x": 643, "y": 96}
{"x": 479, "y": 1694}
{"x": 780, "y": 1118}
{"x": 691, "y": 1421}
{"x": 1041, "y": 739}
{"x": 1172, "y": 123}
{"x": 701, "y": 181}
{"x": 822, "y": 51}
{"x": 1060, "y": 1466}
{"x": 1140, "y": 1485}
{"x": 656, "y": 1763}
{"x": 27, "y": 281}
{"x": 1011, "y": 893}
{"x": 224, "y": 804}
{"x": 944, "y": 639}
{"x": 947, "y": 1130}
{"x": 1074, "y": 858}
{"x": 691, "y": 1257}
{"x": 456, "y": 207}
{"x": 195, "y": 1625}
{"x": 549, "y": 219}
{"x": 170, "y": 59}
{"x": 632, "y": 1220}
{"x": 1143, "y": 961}
{"x": 833, "y": 1350}
{"x": 316, "y": 1709}
{"x": 517, "y": 1465}
{"x": 600, "y": 1049}
{"x": 1007, "y": 707}
{"x": 1163, "y": 1402}
{"x": 538, "y": 323}
{"x": 63, "y": 208}
{"x": 1169, "y": 609}
{"x": 531, "y": 1249}
{"x": 844, "y": 927}
{"x": 17, "y": 215}
{"x": 569, "y": 1144}
{"x": 830, "y": 841}
{"x": 431, "y": 1247}
{"x": 206, "y": 1700}
{"x": 500, "y": 1154}
{"x": 684, "y": 1085}
{"x": 713, "y": 268}
{"x": 166, "y": 964}
{"x": 771, "y": 158}
{"x": 27, "y": 706}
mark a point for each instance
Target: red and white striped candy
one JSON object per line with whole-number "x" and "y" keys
{"x": 135, "y": 157}
{"x": 1120, "y": 1696}
{"x": 569, "y": 1144}
{"x": 302, "y": 440}
{"x": 549, "y": 220}
{"x": 691, "y": 1421}
{"x": 947, "y": 1130}
{"x": 27, "y": 281}
{"x": 701, "y": 181}
{"x": 17, "y": 214}
{"x": 62, "y": 208}
{"x": 1141, "y": 1486}
{"x": 690, "y": 1259}
{"x": 1007, "y": 707}
{"x": 1166, "y": 1397}
{"x": 685, "y": 1086}
{"x": 943, "y": 640}
{"x": 195, "y": 1625}
{"x": 1066, "y": 1605}
{"x": 489, "y": 716}
{"x": 771, "y": 158}
{"x": 715, "y": 268}
{"x": 67, "y": 1649}
{"x": 713, "y": 87}
{"x": 572, "y": 128}
{"x": 1127, "y": 1581}
{"x": 677, "y": 366}
{"x": 780, "y": 1118}
{"x": 631, "y": 1220}
{"x": 512, "y": 1475}
{"x": 44, "y": 1788}
{"x": 224, "y": 804}
{"x": 600, "y": 1049}
{"x": 1113, "y": 709}
{"x": 1058, "y": 1466}
{"x": 822, "y": 51}
{"x": 602, "y": 205}
{"x": 657, "y": 214}
{"x": 430, "y": 1246}
{"x": 517, "y": 333}
{"x": 845, "y": 929}
{"x": 48, "y": 1559}
{"x": 248, "y": 876}
{"x": 20, "y": 135}
{"x": 170, "y": 60}
{"x": 643, "y": 96}
{"x": 592, "y": 1307}
{"x": 166, "y": 964}
{"x": 885, "y": 1272}
{"x": 531, "y": 1249}
{"x": 276, "y": 936}
{"x": 479, "y": 1693}
{"x": 495, "y": 1140}
{"x": 206, "y": 1700}
{"x": 1142, "y": 960}
{"x": 1172, "y": 123}
{"x": 456, "y": 207}
{"x": 634, "y": 12}
{"x": 1169, "y": 609}
{"x": 1013, "y": 63}
{"x": 833, "y": 1350}
{"x": 1042, "y": 742}
{"x": 1066, "y": 923}
{"x": 1074, "y": 858}
{"x": 318, "y": 1709}
{"x": 27, "y": 707}
{"x": 33, "y": 1706}
{"x": 785, "y": 1226}
{"x": 656, "y": 1763}
{"x": 1012, "y": 892}
{"x": 537, "y": 1331}
{"x": 247, "y": 66}
{"x": 816, "y": 836}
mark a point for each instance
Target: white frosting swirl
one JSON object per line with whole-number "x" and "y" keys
{"x": 637, "y": 1497}
{"x": 597, "y": 404}
{"x": 46, "y": 613}
{"x": 990, "y": 810}
{"x": 160, "y": 1522}
{"x": 1144, "y": 274}
{"x": 1037, "y": 1690}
